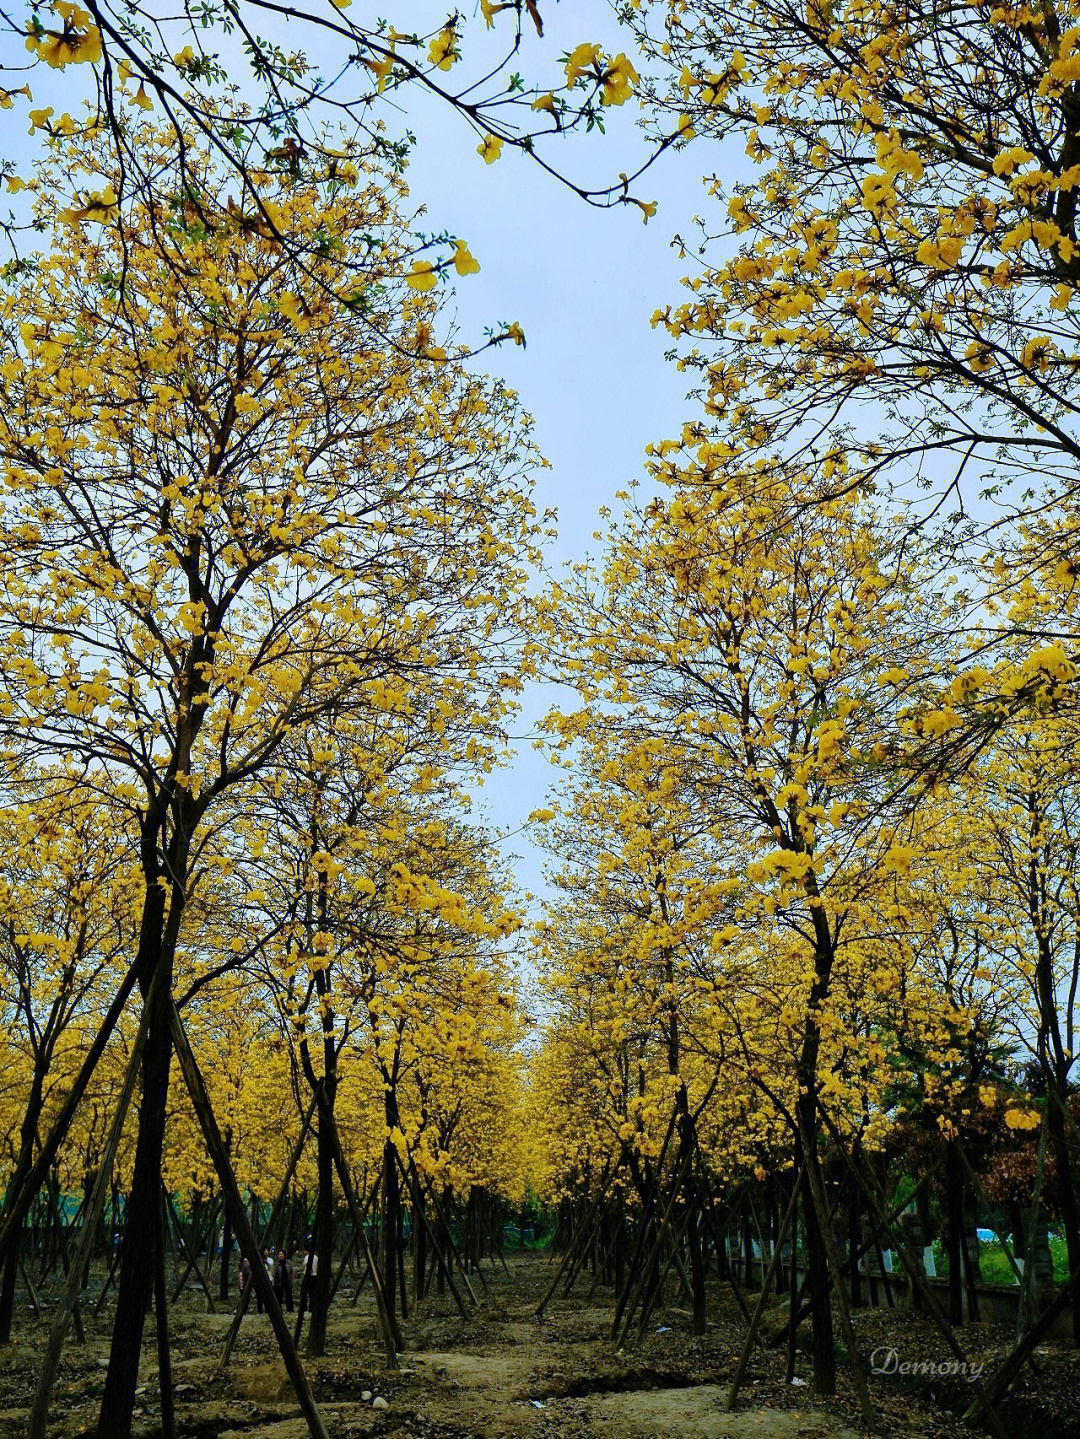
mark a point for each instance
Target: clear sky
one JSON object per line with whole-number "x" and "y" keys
{"x": 582, "y": 283}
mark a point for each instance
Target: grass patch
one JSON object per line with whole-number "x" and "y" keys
{"x": 994, "y": 1268}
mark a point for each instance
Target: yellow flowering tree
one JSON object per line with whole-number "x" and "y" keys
{"x": 69, "y": 903}
{"x": 904, "y": 239}
{"x": 230, "y": 504}
{"x": 760, "y": 630}
{"x": 300, "y": 123}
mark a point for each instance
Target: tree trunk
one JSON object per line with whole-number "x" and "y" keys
{"x": 225, "y": 1277}
{"x": 954, "y": 1224}
{"x": 817, "y": 1263}
{"x": 1057, "y": 1062}
{"x": 817, "y": 1281}
{"x": 142, "y": 1218}
{"x": 419, "y": 1229}
{"x": 142, "y": 1222}
{"x": 9, "y": 1280}
{"x": 402, "y": 1292}
{"x": 391, "y": 1201}
{"x": 1070, "y": 1221}
{"x": 161, "y": 1316}
{"x": 619, "y": 1262}
{"x": 324, "y": 1235}
{"x": 854, "y": 1227}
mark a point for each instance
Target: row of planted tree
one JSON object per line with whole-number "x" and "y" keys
{"x": 422, "y": 1111}
{"x": 418, "y": 1233}
{"x": 262, "y": 618}
{"x": 815, "y": 926}
{"x": 357, "y": 1232}
{"x": 660, "y": 1233}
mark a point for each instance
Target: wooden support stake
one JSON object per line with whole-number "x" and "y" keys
{"x": 193, "y": 1263}
{"x": 643, "y": 1228}
{"x": 235, "y": 1205}
{"x": 917, "y": 1277}
{"x": 418, "y": 1206}
{"x": 718, "y": 1238}
{"x": 832, "y": 1256}
{"x": 763, "y": 1297}
{"x": 343, "y": 1266}
{"x": 799, "y": 1311}
{"x": 444, "y": 1225}
{"x": 113, "y": 1266}
{"x": 279, "y": 1203}
{"x": 30, "y": 1294}
{"x": 392, "y": 1336}
{"x": 456, "y": 1212}
{"x": 1010, "y": 1369}
{"x": 374, "y": 1190}
{"x": 651, "y": 1296}
{"x": 39, "y": 1412}
{"x": 161, "y": 1318}
{"x": 641, "y": 1290}
{"x": 581, "y": 1238}
{"x": 53, "y": 1188}
{"x": 18, "y": 1205}
{"x": 208, "y": 1233}
{"x": 975, "y": 1184}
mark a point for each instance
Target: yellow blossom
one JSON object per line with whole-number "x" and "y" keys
{"x": 422, "y": 276}
{"x": 443, "y": 49}
{"x": 489, "y": 149}
{"x": 464, "y": 262}
{"x": 620, "y": 77}
{"x": 579, "y": 61}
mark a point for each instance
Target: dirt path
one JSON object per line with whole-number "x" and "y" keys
{"x": 498, "y": 1374}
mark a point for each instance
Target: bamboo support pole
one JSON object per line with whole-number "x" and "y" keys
{"x": 18, "y": 1205}
{"x": 39, "y": 1412}
{"x": 763, "y": 1297}
{"x": 241, "y": 1225}
{"x": 275, "y": 1213}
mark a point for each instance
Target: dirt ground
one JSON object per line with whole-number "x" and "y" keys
{"x": 502, "y": 1372}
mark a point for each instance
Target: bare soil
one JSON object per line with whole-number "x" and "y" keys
{"x": 502, "y": 1372}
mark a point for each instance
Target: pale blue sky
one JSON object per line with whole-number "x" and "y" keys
{"x": 583, "y": 284}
